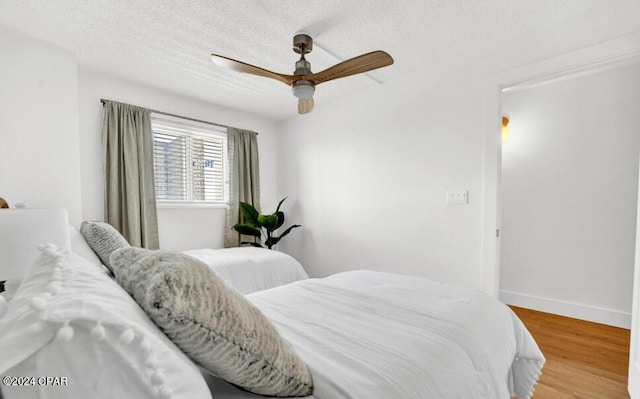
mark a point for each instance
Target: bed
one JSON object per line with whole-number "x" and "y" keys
{"x": 70, "y": 330}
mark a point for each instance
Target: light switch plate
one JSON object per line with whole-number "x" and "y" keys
{"x": 458, "y": 197}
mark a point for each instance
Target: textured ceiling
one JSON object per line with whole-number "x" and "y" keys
{"x": 166, "y": 43}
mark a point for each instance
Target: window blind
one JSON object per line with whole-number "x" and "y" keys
{"x": 189, "y": 160}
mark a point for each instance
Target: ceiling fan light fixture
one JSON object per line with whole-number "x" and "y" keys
{"x": 303, "y": 88}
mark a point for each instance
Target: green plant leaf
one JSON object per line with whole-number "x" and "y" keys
{"x": 268, "y": 221}
{"x": 247, "y": 230}
{"x": 250, "y": 213}
{"x": 280, "y": 215}
{"x": 279, "y": 203}
{"x": 287, "y": 231}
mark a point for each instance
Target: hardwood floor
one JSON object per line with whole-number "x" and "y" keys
{"x": 584, "y": 360}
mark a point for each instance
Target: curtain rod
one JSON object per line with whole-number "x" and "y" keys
{"x": 102, "y": 100}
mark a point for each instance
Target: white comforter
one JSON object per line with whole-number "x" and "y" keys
{"x": 374, "y": 335}
{"x": 251, "y": 269}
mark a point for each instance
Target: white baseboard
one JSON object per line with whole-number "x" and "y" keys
{"x": 576, "y": 310}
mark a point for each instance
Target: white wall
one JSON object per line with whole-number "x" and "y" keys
{"x": 39, "y": 148}
{"x": 367, "y": 178}
{"x": 569, "y": 189}
{"x": 179, "y": 228}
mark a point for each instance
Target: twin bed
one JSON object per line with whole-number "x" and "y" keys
{"x": 361, "y": 334}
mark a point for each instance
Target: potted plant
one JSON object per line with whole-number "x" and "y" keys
{"x": 262, "y": 227}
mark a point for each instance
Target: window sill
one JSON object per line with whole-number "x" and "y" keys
{"x": 188, "y": 205}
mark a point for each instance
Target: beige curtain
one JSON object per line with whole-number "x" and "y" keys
{"x": 129, "y": 187}
{"x": 244, "y": 178}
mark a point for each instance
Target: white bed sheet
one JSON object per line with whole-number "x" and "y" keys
{"x": 371, "y": 335}
{"x": 251, "y": 269}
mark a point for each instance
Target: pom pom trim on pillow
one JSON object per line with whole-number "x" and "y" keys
{"x": 42, "y": 320}
{"x": 65, "y": 332}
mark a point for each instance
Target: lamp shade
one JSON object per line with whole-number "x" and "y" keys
{"x": 22, "y": 230}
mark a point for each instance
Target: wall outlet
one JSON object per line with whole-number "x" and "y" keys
{"x": 458, "y": 197}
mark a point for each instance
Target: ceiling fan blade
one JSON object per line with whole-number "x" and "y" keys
{"x": 243, "y": 67}
{"x": 363, "y": 63}
{"x": 305, "y": 105}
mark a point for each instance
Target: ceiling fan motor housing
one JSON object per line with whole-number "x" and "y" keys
{"x": 303, "y": 67}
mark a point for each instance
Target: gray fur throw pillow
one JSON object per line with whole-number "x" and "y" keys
{"x": 104, "y": 239}
{"x": 215, "y": 325}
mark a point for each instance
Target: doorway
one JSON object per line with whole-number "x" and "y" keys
{"x": 569, "y": 180}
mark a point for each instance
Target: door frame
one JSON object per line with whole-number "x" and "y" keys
{"x": 633, "y": 383}
{"x": 624, "y": 50}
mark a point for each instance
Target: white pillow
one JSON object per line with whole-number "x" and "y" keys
{"x": 79, "y": 246}
{"x": 69, "y": 319}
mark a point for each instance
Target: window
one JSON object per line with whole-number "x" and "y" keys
{"x": 189, "y": 160}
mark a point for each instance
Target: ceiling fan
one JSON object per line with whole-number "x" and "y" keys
{"x": 303, "y": 82}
